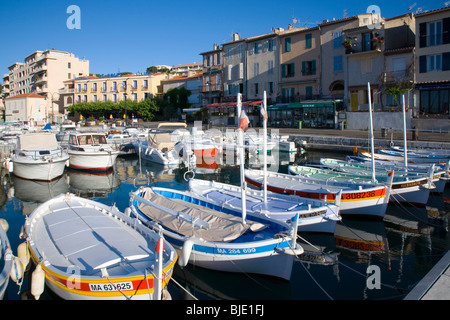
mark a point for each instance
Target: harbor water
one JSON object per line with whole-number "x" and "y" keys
{"x": 363, "y": 260}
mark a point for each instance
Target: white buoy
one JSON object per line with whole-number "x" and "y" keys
{"x": 4, "y": 224}
{"x": 23, "y": 254}
{"x": 185, "y": 253}
{"x": 16, "y": 272}
{"x": 37, "y": 282}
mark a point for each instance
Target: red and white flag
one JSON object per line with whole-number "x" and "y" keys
{"x": 264, "y": 111}
{"x": 243, "y": 120}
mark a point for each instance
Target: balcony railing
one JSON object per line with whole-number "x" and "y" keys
{"x": 212, "y": 87}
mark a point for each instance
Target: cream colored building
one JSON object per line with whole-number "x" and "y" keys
{"x": 27, "y": 107}
{"x": 112, "y": 87}
{"x": 44, "y": 73}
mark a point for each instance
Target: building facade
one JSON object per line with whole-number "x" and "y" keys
{"x": 44, "y": 73}
{"x": 212, "y": 82}
{"x": 27, "y": 107}
{"x": 432, "y": 62}
{"x": 234, "y": 68}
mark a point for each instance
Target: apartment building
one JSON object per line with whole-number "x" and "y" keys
{"x": 193, "y": 83}
{"x": 212, "y": 82}
{"x": 234, "y": 66}
{"x": 187, "y": 68}
{"x": 44, "y": 73}
{"x": 111, "y": 87}
{"x": 432, "y": 61}
{"x": 300, "y": 64}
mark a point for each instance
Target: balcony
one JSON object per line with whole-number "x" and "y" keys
{"x": 212, "y": 87}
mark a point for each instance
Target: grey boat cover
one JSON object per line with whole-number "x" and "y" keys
{"x": 223, "y": 226}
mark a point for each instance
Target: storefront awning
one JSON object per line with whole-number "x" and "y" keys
{"x": 305, "y": 104}
{"x": 233, "y": 104}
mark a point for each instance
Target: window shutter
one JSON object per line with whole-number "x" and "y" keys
{"x": 313, "y": 67}
{"x": 422, "y": 35}
{"x": 303, "y": 68}
{"x": 283, "y": 70}
{"x": 308, "y": 40}
{"x": 445, "y": 61}
{"x": 422, "y": 64}
{"x": 292, "y": 73}
{"x": 446, "y": 30}
{"x": 287, "y": 44}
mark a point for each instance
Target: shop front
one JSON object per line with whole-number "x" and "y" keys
{"x": 305, "y": 114}
{"x": 225, "y": 114}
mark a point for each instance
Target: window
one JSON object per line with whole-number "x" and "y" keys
{"x": 309, "y": 92}
{"x": 105, "y": 98}
{"x": 270, "y": 87}
{"x": 287, "y": 44}
{"x": 256, "y": 69}
{"x": 145, "y": 84}
{"x": 308, "y": 40}
{"x": 124, "y": 85}
{"x": 134, "y": 85}
{"x": 94, "y": 87}
{"x": 104, "y": 86}
{"x": 79, "y": 87}
{"x": 434, "y": 63}
{"x": 68, "y": 76}
{"x": 308, "y": 68}
{"x": 85, "y": 98}
{"x": 114, "y": 98}
{"x": 287, "y": 70}
{"x": 84, "y": 87}
{"x": 257, "y": 47}
{"x": 94, "y": 98}
{"x": 240, "y": 51}
{"x": 256, "y": 89}
{"x": 270, "y": 67}
{"x": 114, "y": 87}
{"x": 228, "y": 54}
{"x": 367, "y": 41}
{"x": 434, "y": 33}
{"x": 272, "y": 45}
{"x": 135, "y": 96}
{"x": 68, "y": 65}
{"x": 434, "y": 101}
{"x": 337, "y": 40}
{"x": 338, "y": 64}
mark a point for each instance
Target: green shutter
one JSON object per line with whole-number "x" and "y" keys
{"x": 283, "y": 70}
{"x": 308, "y": 40}
{"x": 313, "y": 67}
{"x": 287, "y": 44}
{"x": 292, "y": 74}
{"x": 422, "y": 64}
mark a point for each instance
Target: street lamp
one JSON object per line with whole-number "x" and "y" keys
{"x": 126, "y": 113}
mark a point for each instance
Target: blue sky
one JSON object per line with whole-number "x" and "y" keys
{"x": 131, "y": 35}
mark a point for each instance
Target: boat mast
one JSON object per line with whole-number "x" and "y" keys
{"x": 371, "y": 132}
{"x": 241, "y": 158}
{"x": 265, "y": 146}
{"x": 405, "y": 157}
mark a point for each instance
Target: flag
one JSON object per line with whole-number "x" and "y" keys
{"x": 160, "y": 245}
{"x": 243, "y": 120}
{"x": 264, "y": 111}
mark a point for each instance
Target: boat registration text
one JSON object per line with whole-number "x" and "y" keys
{"x": 128, "y": 285}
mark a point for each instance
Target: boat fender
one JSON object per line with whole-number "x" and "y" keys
{"x": 23, "y": 254}
{"x": 37, "y": 282}
{"x": 127, "y": 211}
{"x": 185, "y": 253}
{"x": 4, "y": 224}
{"x": 16, "y": 273}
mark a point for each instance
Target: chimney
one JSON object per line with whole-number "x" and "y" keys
{"x": 236, "y": 36}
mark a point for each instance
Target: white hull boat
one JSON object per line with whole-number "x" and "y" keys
{"x": 90, "y": 151}
{"x": 314, "y": 215}
{"x": 6, "y": 261}
{"x": 357, "y": 199}
{"x": 216, "y": 238}
{"x": 39, "y": 157}
{"x": 88, "y": 250}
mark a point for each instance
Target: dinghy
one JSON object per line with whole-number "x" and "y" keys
{"x": 88, "y": 250}
{"x": 215, "y": 237}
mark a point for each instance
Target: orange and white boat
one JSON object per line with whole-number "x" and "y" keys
{"x": 358, "y": 199}
{"x": 87, "y": 250}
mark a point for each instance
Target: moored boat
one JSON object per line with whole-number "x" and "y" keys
{"x": 6, "y": 260}
{"x": 314, "y": 215}
{"x": 39, "y": 157}
{"x": 90, "y": 151}
{"x": 88, "y": 250}
{"x": 216, "y": 238}
{"x": 358, "y": 199}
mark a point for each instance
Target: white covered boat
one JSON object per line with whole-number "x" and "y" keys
{"x": 6, "y": 261}
{"x": 91, "y": 151}
{"x": 39, "y": 157}
{"x": 88, "y": 250}
{"x": 358, "y": 199}
{"x": 160, "y": 148}
{"x": 314, "y": 215}
{"x": 215, "y": 237}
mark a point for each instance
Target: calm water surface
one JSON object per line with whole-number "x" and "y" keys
{"x": 405, "y": 246}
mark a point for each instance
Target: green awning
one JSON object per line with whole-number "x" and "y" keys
{"x": 304, "y": 104}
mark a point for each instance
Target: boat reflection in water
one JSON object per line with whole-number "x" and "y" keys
{"x": 92, "y": 184}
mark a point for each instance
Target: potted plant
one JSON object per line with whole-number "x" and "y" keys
{"x": 348, "y": 45}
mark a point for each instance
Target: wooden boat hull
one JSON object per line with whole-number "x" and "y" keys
{"x": 370, "y": 202}
{"x": 258, "y": 253}
{"x": 91, "y": 251}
